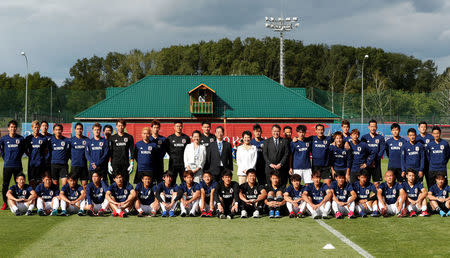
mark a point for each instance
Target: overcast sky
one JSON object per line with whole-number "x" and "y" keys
{"x": 55, "y": 33}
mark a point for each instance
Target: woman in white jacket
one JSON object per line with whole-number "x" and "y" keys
{"x": 246, "y": 156}
{"x": 195, "y": 156}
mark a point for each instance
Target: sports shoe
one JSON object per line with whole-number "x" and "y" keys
{"x": 41, "y": 212}
{"x": 277, "y": 214}
{"x": 203, "y": 214}
{"x": 115, "y": 214}
{"x": 383, "y": 212}
{"x": 375, "y": 214}
{"x": 362, "y": 214}
{"x": 351, "y": 215}
{"x": 222, "y": 216}
{"x": 210, "y": 213}
{"x": 316, "y": 216}
{"x": 229, "y": 217}
{"x": 271, "y": 214}
{"x": 171, "y": 214}
{"x": 183, "y": 214}
{"x": 64, "y": 213}
{"x": 164, "y": 214}
{"x": 448, "y": 214}
{"x": 192, "y": 214}
{"x": 90, "y": 213}
{"x": 424, "y": 214}
{"x": 403, "y": 213}
{"x": 291, "y": 214}
{"x": 244, "y": 214}
{"x": 140, "y": 214}
{"x": 17, "y": 213}
{"x": 81, "y": 213}
{"x": 54, "y": 213}
{"x": 338, "y": 215}
{"x": 256, "y": 214}
{"x": 123, "y": 214}
{"x": 101, "y": 212}
{"x": 153, "y": 214}
{"x": 412, "y": 214}
{"x": 299, "y": 214}
{"x": 28, "y": 213}
{"x": 442, "y": 213}
{"x": 4, "y": 206}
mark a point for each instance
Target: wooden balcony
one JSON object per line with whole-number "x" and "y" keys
{"x": 202, "y": 108}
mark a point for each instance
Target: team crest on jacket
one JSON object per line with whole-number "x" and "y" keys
{"x": 359, "y": 148}
{"x": 262, "y": 144}
{"x": 367, "y": 191}
{"x": 125, "y": 139}
{"x": 171, "y": 191}
{"x": 63, "y": 143}
{"x": 40, "y": 141}
{"x": 76, "y": 194}
{"x": 415, "y": 190}
{"x": 443, "y": 192}
{"x": 51, "y": 192}
{"x": 256, "y": 191}
{"x": 307, "y": 144}
{"x": 325, "y": 142}
{"x": 344, "y": 153}
{"x": 321, "y": 194}
{"x": 84, "y": 142}
{"x": 394, "y": 191}
{"x": 442, "y": 147}
{"x": 345, "y": 192}
{"x": 149, "y": 148}
{"x": 125, "y": 191}
{"x": 24, "y": 192}
{"x": 377, "y": 141}
{"x": 183, "y": 141}
{"x": 417, "y": 148}
{"x": 400, "y": 144}
{"x": 231, "y": 190}
{"x": 211, "y": 140}
{"x": 427, "y": 140}
{"x": 159, "y": 142}
{"x": 100, "y": 144}
{"x": 101, "y": 190}
{"x": 17, "y": 141}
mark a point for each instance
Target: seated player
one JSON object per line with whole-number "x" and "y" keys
{"x": 167, "y": 194}
{"x": 146, "y": 203}
{"x": 252, "y": 196}
{"x": 391, "y": 196}
{"x": 366, "y": 195}
{"x": 343, "y": 197}
{"x": 293, "y": 197}
{"x": 47, "y": 197}
{"x": 227, "y": 196}
{"x": 439, "y": 197}
{"x": 96, "y": 190}
{"x": 72, "y": 197}
{"x": 120, "y": 196}
{"x": 317, "y": 197}
{"x": 416, "y": 200}
{"x": 190, "y": 192}
{"x": 275, "y": 199}
{"x": 208, "y": 187}
{"x": 21, "y": 197}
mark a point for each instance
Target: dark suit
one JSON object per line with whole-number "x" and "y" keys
{"x": 213, "y": 159}
{"x": 277, "y": 155}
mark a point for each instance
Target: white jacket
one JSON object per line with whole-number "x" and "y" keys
{"x": 246, "y": 159}
{"x": 194, "y": 158}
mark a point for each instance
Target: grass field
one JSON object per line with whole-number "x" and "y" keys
{"x": 86, "y": 236}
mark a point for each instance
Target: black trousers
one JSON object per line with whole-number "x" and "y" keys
{"x": 120, "y": 168}
{"x": 227, "y": 204}
{"x": 7, "y": 174}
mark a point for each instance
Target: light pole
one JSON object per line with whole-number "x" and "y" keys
{"x": 362, "y": 90}
{"x": 282, "y": 25}
{"x": 26, "y": 92}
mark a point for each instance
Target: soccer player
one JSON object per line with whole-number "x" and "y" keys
{"x": 121, "y": 151}
{"x": 207, "y": 137}
{"x": 78, "y": 166}
{"x": 417, "y": 195}
{"x": 252, "y": 196}
{"x": 21, "y": 197}
{"x": 12, "y": 148}
{"x": 72, "y": 197}
{"x": 47, "y": 197}
{"x": 343, "y": 198}
{"x": 345, "y": 126}
{"x": 146, "y": 203}
{"x": 320, "y": 149}
{"x": 60, "y": 154}
{"x": 48, "y": 136}
{"x": 413, "y": 155}
{"x": 167, "y": 194}
{"x": 340, "y": 158}
{"x": 275, "y": 190}
{"x": 227, "y": 196}
{"x": 362, "y": 156}
{"x": 438, "y": 154}
{"x": 376, "y": 144}
{"x": 97, "y": 204}
{"x": 317, "y": 197}
{"x": 425, "y": 138}
{"x": 287, "y": 130}
{"x": 391, "y": 196}
{"x": 393, "y": 152}
{"x": 107, "y": 131}
{"x": 258, "y": 142}
{"x": 366, "y": 192}
{"x": 439, "y": 198}
{"x": 160, "y": 151}
{"x": 300, "y": 156}
{"x": 175, "y": 145}
{"x": 97, "y": 154}
{"x": 37, "y": 151}
{"x": 190, "y": 192}
{"x": 208, "y": 187}
{"x": 293, "y": 197}
{"x": 120, "y": 196}
{"x": 144, "y": 153}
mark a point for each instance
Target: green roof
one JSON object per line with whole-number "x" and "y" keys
{"x": 299, "y": 91}
{"x": 166, "y": 96}
{"x": 111, "y": 91}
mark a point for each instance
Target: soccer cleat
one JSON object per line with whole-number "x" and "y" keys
{"x": 140, "y": 214}
{"x": 442, "y": 213}
{"x": 424, "y": 213}
{"x": 271, "y": 214}
{"x": 192, "y": 214}
{"x": 338, "y": 215}
{"x": 351, "y": 215}
{"x": 183, "y": 214}
{"x": 256, "y": 214}
{"x": 326, "y": 216}
{"x": 81, "y": 213}
{"x": 203, "y": 214}
{"x": 448, "y": 213}
{"x": 28, "y": 213}
{"x": 244, "y": 214}
{"x": 153, "y": 214}
{"x": 90, "y": 212}
{"x": 164, "y": 214}
{"x": 115, "y": 214}
{"x": 362, "y": 214}
{"x": 101, "y": 212}
{"x": 17, "y": 213}
{"x": 299, "y": 214}
{"x": 222, "y": 216}
{"x": 54, "y": 213}
{"x": 210, "y": 213}
{"x": 123, "y": 214}
{"x": 277, "y": 214}
{"x": 4, "y": 206}
{"x": 316, "y": 216}
{"x": 375, "y": 214}
{"x": 412, "y": 214}
{"x": 41, "y": 212}
{"x": 171, "y": 214}
{"x": 404, "y": 212}
{"x": 383, "y": 212}
{"x": 64, "y": 213}
{"x": 291, "y": 214}
{"x": 229, "y": 217}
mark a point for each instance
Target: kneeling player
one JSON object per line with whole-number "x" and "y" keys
{"x": 167, "y": 194}
{"x": 190, "y": 192}
{"x": 275, "y": 192}
{"x": 343, "y": 197}
{"x": 391, "y": 196}
{"x": 252, "y": 196}
{"x": 317, "y": 197}
{"x": 366, "y": 195}
{"x": 208, "y": 187}
{"x": 72, "y": 197}
{"x": 21, "y": 197}
{"x": 416, "y": 200}
{"x": 439, "y": 196}
{"x": 227, "y": 196}
{"x": 48, "y": 197}
{"x": 146, "y": 204}
{"x": 120, "y": 196}
{"x": 293, "y": 197}
{"x": 96, "y": 190}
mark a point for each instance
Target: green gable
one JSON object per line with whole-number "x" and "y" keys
{"x": 111, "y": 91}
{"x": 299, "y": 91}
{"x": 166, "y": 96}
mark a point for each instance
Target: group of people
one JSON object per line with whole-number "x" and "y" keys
{"x": 341, "y": 174}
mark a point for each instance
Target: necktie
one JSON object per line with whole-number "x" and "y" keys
{"x": 276, "y": 143}
{"x": 220, "y": 148}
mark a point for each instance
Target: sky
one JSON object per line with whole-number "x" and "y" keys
{"x": 55, "y": 33}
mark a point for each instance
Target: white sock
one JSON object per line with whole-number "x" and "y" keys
{"x": 140, "y": 210}
{"x": 14, "y": 208}
{"x": 31, "y": 207}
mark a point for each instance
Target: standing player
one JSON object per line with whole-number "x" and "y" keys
{"x": 252, "y": 196}
{"x": 167, "y": 194}
{"x": 160, "y": 151}
{"x": 362, "y": 156}
{"x": 97, "y": 154}
{"x": 47, "y": 197}
{"x": 60, "y": 154}
{"x": 175, "y": 145}
{"x": 320, "y": 149}
{"x": 121, "y": 150}
{"x": 72, "y": 197}
{"x": 48, "y": 136}
{"x": 424, "y": 138}
{"x": 437, "y": 154}
{"x": 258, "y": 142}
{"x": 37, "y": 151}
{"x": 391, "y": 197}
{"x": 417, "y": 195}
{"x": 366, "y": 192}
{"x": 317, "y": 197}
{"x": 120, "y": 196}
{"x": 275, "y": 190}
{"x": 340, "y": 158}
{"x": 206, "y": 138}
{"x": 301, "y": 155}
{"x": 227, "y": 196}
{"x": 343, "y": 198}
{"x": 293, "y": 197}
{"x": 21, "y": 197}
{"x": 345, "y": 126}
{"x": 78, "y": 166}
{"x": 376, "y": 144}
{"x": 208, "y": 187}
{"x": 190, "y": 192}
{"x": 146, "y": 203}
{"x": 439, "y": 196}
{"x": 144, "y": 152}
{"x": 393, "y": 152}
{"x": 96, "y": 190}
{"x": 12, "y": 148}
{"x": 413, "y": 155}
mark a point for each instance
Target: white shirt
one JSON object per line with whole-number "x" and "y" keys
{"x": 246, "y": 159}
{"x": 194, "y": 157}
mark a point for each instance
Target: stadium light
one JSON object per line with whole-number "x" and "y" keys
{"x": 282, "y": 25}
{"x": 26, "y": 91}
{"x": 362, "y": 90}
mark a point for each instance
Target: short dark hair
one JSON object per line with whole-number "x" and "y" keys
{"x": 251, "y": 171}
{"x": 155, "y": 122}
{"x": 412, "y": 130}
{"x": 296, "y": 177}
{"x": 395, "y": 125}
{"x": 356, "y": 131}
{"x": 338, "y": 133}
{"x": 411, "y": 170}
{"x": 246, "y": 133}
{"x": 196, "y": 131}
{"x": 227, "y": 172}
{"x": 274, "y": 172}
{"x": 188, "y": 173}
{"x": 168, "y": 173}
{"x": 19, "y": 175}
{"x": 440, "y": 175}
{"x": 423, "y": 123}
{"x": 178, "y": 122}
{"x": 58, "y": 125}
{"x": 436, "y": 128}
{"x": 96, "y": 172}
{"x": 301, "y": 128}
{"x": 373, "y": 121}
{"x": 107, "y": 127}
{"x": 316, "y": 173}
{"x": 345, "y": 122}
{"x": 319, "y": 125}
{"x": 117, "y": 174}
{"x": 44, "y": 122}
{"x": 220, "y": 127}
{"x": 146, "y": 174}
{"x": 206, "y": 123}
{"x": 122, "y": 121}
{"x": 12, "y": 122}
{"x": 257, "y": 127}
{"x": 72, "y": 176}
{"x": 46, "y": 174}
{"x": 79, "y": 124}
{"x": 97, "y": 125}
{"x": 276, "y": 126}
{"x": 287, "y": 127}
{"x": 207, "y": 172}
{"x": 364, "y": 172}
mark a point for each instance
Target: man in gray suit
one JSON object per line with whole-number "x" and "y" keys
{"x": 276, "y": 155}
